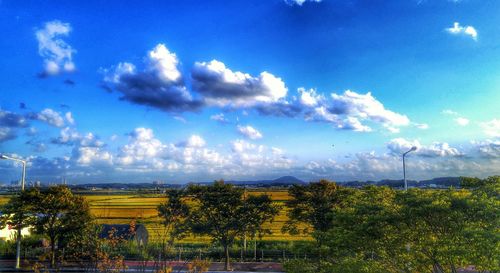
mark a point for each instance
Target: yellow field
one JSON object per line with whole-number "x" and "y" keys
{"x": 123, "y": 208}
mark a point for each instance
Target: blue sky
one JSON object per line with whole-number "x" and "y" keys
{"x": 99, "y": 91}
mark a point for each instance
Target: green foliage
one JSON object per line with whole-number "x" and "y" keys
{"x": 18, "y": 212}
{"x": 379, "y": 229}
{"x": 312, "y": 205}
{"x": 221, "y": 212}
{"x": 174, "y": 213}
{"x": 55, "y": 213}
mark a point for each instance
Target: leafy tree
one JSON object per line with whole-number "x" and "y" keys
{"x": 221, "y": 212}
{"x": 61, "y": 216}
{"x": 366, "y": 231}
{"x": 378, "y": 229}
{"x": 310, "y": 207}
{"x": 174, "y": 213}
{"x": 258, "y": 210}
{"x": 18, "y": 211}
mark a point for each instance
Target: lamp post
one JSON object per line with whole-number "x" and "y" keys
{"x": 414, "y": 148}
{"x": 18, "y": 245}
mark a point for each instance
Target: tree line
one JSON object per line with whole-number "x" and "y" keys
{"x": 380, "y": 229}
{"x": 370, "y": 229}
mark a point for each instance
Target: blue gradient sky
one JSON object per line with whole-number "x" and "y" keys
{"x": 444, "y": 81}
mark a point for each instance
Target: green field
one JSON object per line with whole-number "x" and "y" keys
{"x": 124, "y": 208}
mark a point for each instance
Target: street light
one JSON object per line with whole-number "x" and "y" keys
{"x": 414, "y": 148}
{"x": 18, "y": 247}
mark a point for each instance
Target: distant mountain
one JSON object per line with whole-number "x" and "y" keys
{"x": 440, "y": 181}
{"x": 288, "y": 180}
{"x": 282, "y": 181}
{"x": 285, "y": 181}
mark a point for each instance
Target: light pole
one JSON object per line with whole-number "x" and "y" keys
{"x": 414, "y": 148}
{"x": 19, "y": 228}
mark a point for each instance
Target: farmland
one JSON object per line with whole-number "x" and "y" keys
{"x": 122, "y": 208}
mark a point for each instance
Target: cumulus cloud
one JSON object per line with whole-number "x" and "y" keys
{"x": 300, "y": 2}
{"x": 49, "y": 116}
{"x": 491, "y": 128}
{"x": 348, "y": 110}
{"x": 310, "y": 97}
{"x": 195, "y": 141}
{"x": 221, "y": 86}
{"x": 56, "y": 53}
{"x": 488, "y": 148}
{"x": 70, "y": 136}
{"x": 457, "y": 29}
{"x": 69, "y": 118}
{"x": 219, "y": 118}
{"x": 91, "y": 156}
{"x": 249, "y": 132}
{"x": 373, "y": 166}
{"x": 279, "y": 109}
{"x": 142, "y": 146}
{"x": 9, "y": 119}
{"x": 6, "y": 133}
{"x": 462, "y": 121}
{"x": 249, "y": 156}
{"x": 159, "y": 84}
{"x": 398, "y": 146}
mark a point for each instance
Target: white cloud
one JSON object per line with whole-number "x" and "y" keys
{"x": 219, "y": 118}
{"x": 56, "y": 53}
{"x": 257, "y": 158}
{"x": 488, "y": 148}
{"x": 399, "y": 146}
{"x": 142, "y": 146}
{"x": 375, "y": 167}
{"x": 91, "y": 156}
{"x": 70, "y": 136}
{"x": 422, "y": 126}
{"x": 491, "y": 128}
{"x": 462, "y": 121}
{"x": 163, "y": 63}
{"x": 6, "y": 133}
{"x": 457, "y": 29}
{"x": 449, "y": 112}
{"x": 195, "y": 141}
{"x": 69, "y": 118}
{"x": 367, "y": 107}
{"x": 159, "y": 84}
{"x": 180, "y": 118}
{"x": 309, "y": 97}
{"x": 49, "y": 116}
{"x": 249, "y": 132}
{"x": 12, "y": 120}
{"x": 300, "y": 2}
{"x": 348, "y": 110}
{"x": 222, "y": 87}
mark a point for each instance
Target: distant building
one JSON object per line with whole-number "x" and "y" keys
{"x": 140, "y": 235}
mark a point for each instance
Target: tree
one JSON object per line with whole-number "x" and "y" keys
{"x": 221, "y": 213}
{"x": 174, "y": 213}
{"x": 258, "y": 210}
{"x": 366, "y": 232}
{"x": 61, "y": 216}
{"x": 17, "y": 213}
{"x": 310, "y": 207}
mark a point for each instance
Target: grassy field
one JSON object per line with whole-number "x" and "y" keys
{"x": 124, "y": 208}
